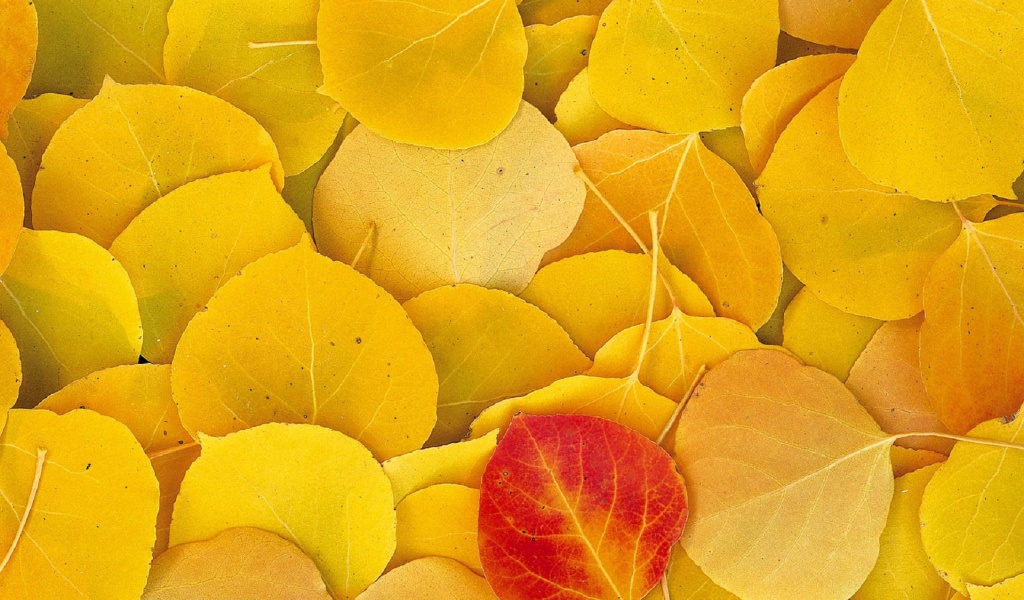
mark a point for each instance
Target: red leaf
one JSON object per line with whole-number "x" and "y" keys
{"x": 577, "y": 507}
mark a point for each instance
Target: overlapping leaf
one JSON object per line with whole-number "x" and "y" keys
{"x": 557, "y": 53}
{"x": 462, "y": 463}
{"x": 10, "y": 373}
{"x": 19, "y": 33}
{"x": 578, "y": 116}
{"x": 823, "y": 336}
{"x": 12, "y": 208}
{"x": 433, "y": 578}
{"x": 842, "y": 23}
{"x": 440, "y": 520}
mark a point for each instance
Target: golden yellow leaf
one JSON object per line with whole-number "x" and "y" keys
{"x": 462, "y": 463}
{"x": 771, "y": 332}
{"x": 299, "y": 189}
{"x": 681, "y": 66}
{"x": 445, "y": 75}
{"x": 10, "y": 373}
{"x": 277, "y": 477}
{"x": 31, "y": 126}
{"x": 183, "y": 247}
{"x": 969, "y": 514}
{"x": 861, "y": 247}
{"x": 550, "y": 12}
{"x": 19, "y": 33}
{"x": 931, "y": 107}
{"x": 487, "y": 345}
{"x": 12, "y": 208}
{"x": 842, "y": 23}
{"x": 1008, "y": 589}
{"x": 886, "y": 378}
{"x": 789, "y": 480}
{"x": 85, "y": 41}
{"x": 432, "y": 578}
{"x": 778, "y": 95}
{"x": 237, "y": 563}
{"x": 731, "y": 146}
{"x": 903, "y": 570}
{"x": 439, "y": 520}
{"x": 679, "y": 346}
{"x": 426, "y": 218}
{"x": 248, "y": 55}
{"x": 972, "y": 336}
{"x": 908, "y": 460}
{"x": 710, "y": 226}
{"x": 557, "y": 53}
{"x": 578, "y": 115}
{"x": 71, "y": 308}
{"x": 299, "y": 338}
{"x": 823, "y": 336}
{"x": 138, "y": 396}
{"x": 81, "y": 503}
{"x": 133, "y": 144}
{"x": 625, "y": 401}
{"x": 687, "y": 582}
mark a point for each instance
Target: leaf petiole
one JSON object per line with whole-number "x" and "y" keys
{"x": 40, "y": 461}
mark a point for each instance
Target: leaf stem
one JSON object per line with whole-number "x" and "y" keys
{"x": 256, "y": 45}
{"x": 171, "y": 450}
{"x": 682, "y": 404}
{"x": 958, "y": 438}
{"x": 40, "y": 461}
{"x": 365, "y": 244}
{"x": 651, "y": 298}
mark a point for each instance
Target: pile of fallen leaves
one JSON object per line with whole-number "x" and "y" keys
{"x": 477, "y": 299}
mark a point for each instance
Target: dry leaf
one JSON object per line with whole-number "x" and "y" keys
{"x": 842, "y": 23}
{"x": 908, "y": 460}
{"x": 19, "y": 33}
{"x": 462, "y": 463}
{"x": 578, "y": 115}
{"x": 771, "y": 332}
{"x": 439, "y": 520}
{"x": 1008, "y": 589}
{"x": 432, "y": 578}
{"x": 557, "y": 53}
{"x": 12, "y": 208}
{"x": 10, "y": 373}
{"x": 550, "y": 12}
{"x": 685, "y": 581}
{"x": 823, "y": 336}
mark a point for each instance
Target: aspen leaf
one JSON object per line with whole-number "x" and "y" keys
{"x": 275, "y": 477}
{"x": 575, "y": 506}
{"x": 777, "y": 96}
{"x": 487, "y": 345}
{"x": 557, "y": 53}
{"x": 139, "y": 396}
{"x": 972, "y": 335}
{"x": 908, "y": 460}
{"x": 823, "y": 336}
{"x": 681, "y": 66}
{"x": 434, "y": 217}
{"x": 12, "y": 208}
{"x": 930, "y": 107}
{"x": 440, "y": 520}
{"x": 187, "y": 244}
{"x": 299, "y": 189}
{"x": 550, "y": 12}
{"x": 19, "y": 33}
{"x": 81, "y": 505}
{"x": 578, "y": 115}
{"x": 710, "y": 227}
{"x": 685, "y": 581}
{"x": 842, "y": 23}
{"x": 328, "y": 348}
{"x": 1008, "y": 589}
{"x": 886, "y": 378}
{"x": 10, "y": 373}
{"x": 903, "y": 570}
{"x": 133, "y": 144}
{"x": 860, "y": 247}
{"x": 431, "y": 578}
{"x": 969, "y": 512}
{"x": 730, "y": 145}
{"x": 246, "y": 54}
{"x": 789, "y": 480}
{"x": 621, "y": 400}
{"x": 771, "y": 332}
{"x": 462, "y": 463}
{"x": 71, "y": 308}
{"x": 237, "y": 563}
{"x": 448, "y": 74}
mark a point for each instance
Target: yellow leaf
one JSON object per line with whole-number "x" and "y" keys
{"x": 183, "y": 247}
{"x": 887, "y": 380}
{"x": 236, "y": 563}
{"x": 778, "y": 95}
{"x": 433, "y": 578}
{"x": 578, "y": 115}
{"x": 931, "y": 106}
{"x": 85, "y": 41}
{"x": 687, "y": 582}
{"x": 299, "y": 189}
{"x": 140, "y": 397}
{"x": 299, "y": 338}
{"x": 81, "y": 503}
{"x": 445, "y": 75}
{"x": 842, "y": 23}
{"x": 462, "y": 463}
{"x": 972, "y": 336}
{"x": 10, "y": 372}
{"x": 789, "y": 480}
{"x": 439, "y": 520}
{"x": 251, "y": 55}
{"x": 277, "y": 477}
{"x": 625, "y": 401}
{"x": 679, "y": 346}
{"x": 133, "y": 144}
{"x": 12, "y": 208}
{"x": 771, "y": 332}
{"x": 861, "y": 247}
{"x": 823, "y": 336}
{"x": 487, "y": 345}
{"x": 730, "y": 145}
{"x": 903, "y": 570}
{"x": 557, "y": 53}
{"x": 19, "y": 33}
{"x": 32, "y": 125}
{"x": 681, "y": 66}
{"x": 1008, "y": 589}
{"x": 710, "y": 227}
{"x": 969, "y": 515}
{"x": 908, "y": 460}
{"x": 71, "y": 308}
{"x": 427, "y": 218}
{"x": 550, "y": 12}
